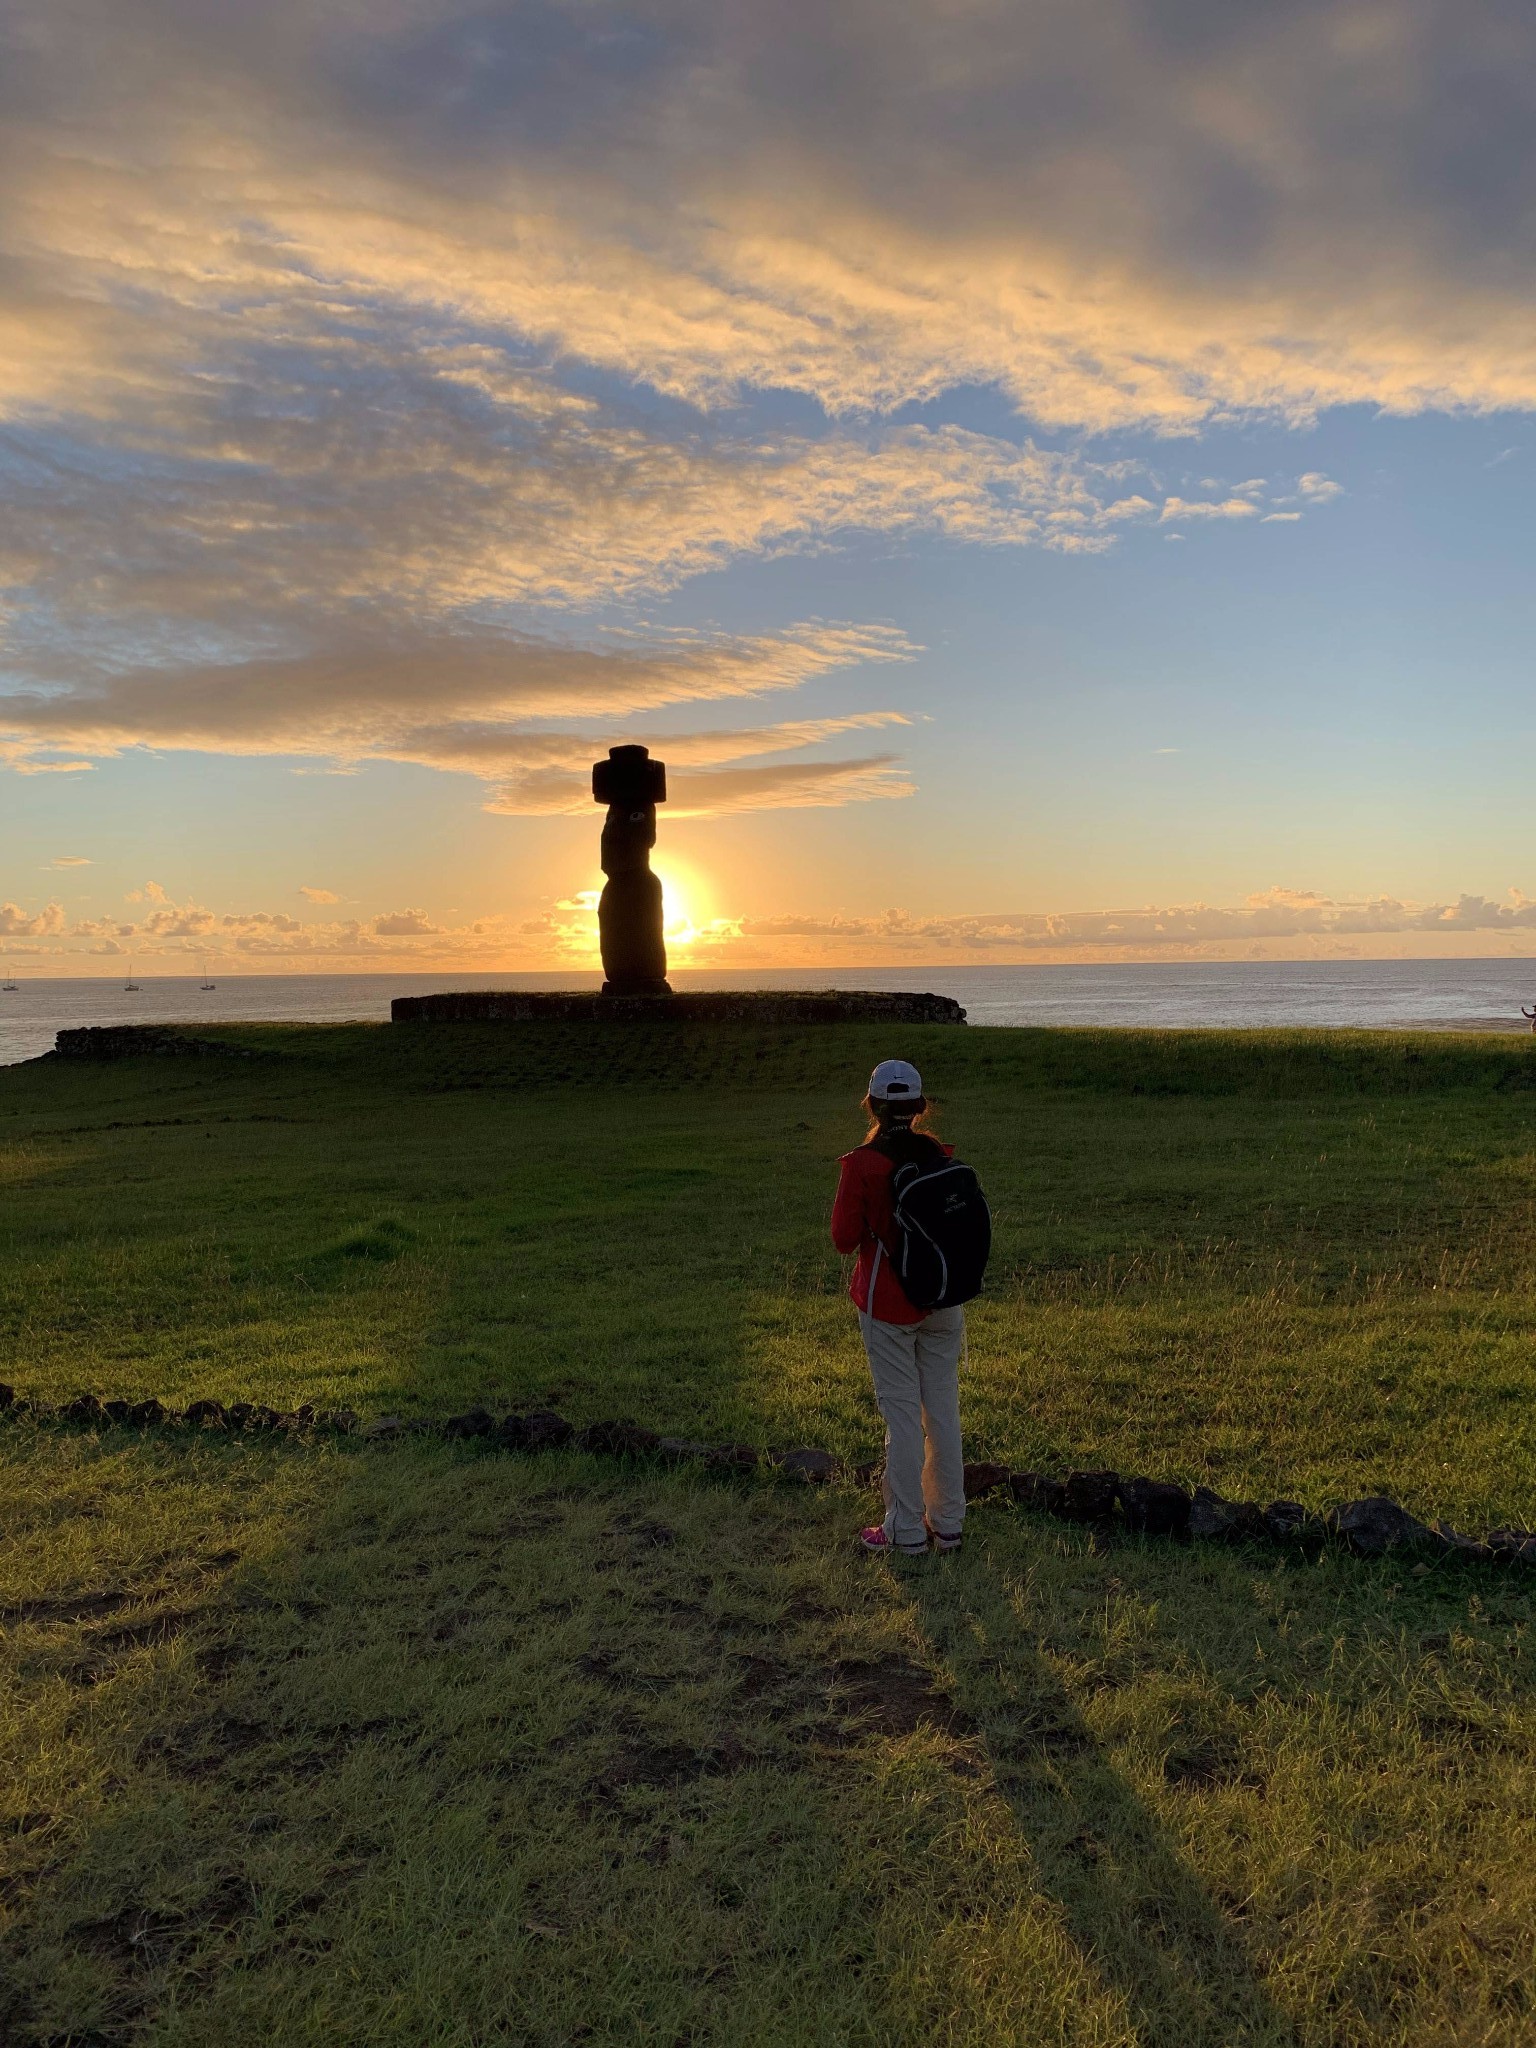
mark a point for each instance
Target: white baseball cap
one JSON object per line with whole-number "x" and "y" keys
{"x": 895, "y": 1081}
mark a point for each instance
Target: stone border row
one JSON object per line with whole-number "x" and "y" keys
{"x": 1100, "y": 1500}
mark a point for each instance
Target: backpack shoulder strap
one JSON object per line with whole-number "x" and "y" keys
{"x": 910, "y": 1148}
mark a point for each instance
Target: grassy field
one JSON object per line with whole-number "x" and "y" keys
{"x": 425, "y": 1744}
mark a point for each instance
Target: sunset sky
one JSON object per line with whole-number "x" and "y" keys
{"x": 1052, "y": 480}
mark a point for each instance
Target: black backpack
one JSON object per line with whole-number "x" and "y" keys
{"x": 942, "y": 1225}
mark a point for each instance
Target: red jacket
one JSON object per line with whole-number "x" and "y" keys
{"x": 861, "y": 1220}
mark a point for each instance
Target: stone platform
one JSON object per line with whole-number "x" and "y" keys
{"x": 715, "y": 1006}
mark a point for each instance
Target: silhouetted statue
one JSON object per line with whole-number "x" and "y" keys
{"x": 629, "y": 916}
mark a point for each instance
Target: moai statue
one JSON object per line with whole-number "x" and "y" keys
{"x": 629, "y": 917}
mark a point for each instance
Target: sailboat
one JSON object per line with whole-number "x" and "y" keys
{"x": 8, "y": 986}
{"x": 130, "y": 986}
{"x": 206, "y": 983}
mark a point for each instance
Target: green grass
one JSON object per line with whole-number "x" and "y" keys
{"x": 1284, "y": 1264}
{"x": 430, "y": 1745}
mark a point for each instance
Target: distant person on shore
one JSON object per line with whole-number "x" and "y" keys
{"x": 919, "y": 1223}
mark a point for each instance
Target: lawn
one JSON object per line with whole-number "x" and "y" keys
{"x": 430, "y": 1744}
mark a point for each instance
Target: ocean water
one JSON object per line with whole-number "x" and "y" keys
{"x": 1449, "y": 995}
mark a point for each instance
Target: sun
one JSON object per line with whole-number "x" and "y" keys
{"x": 679, "y": 894}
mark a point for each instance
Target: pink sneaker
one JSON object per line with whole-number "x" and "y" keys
{"x": 878, "y": 1544}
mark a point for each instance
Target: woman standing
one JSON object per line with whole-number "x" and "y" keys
{"x": 914, "y": 1356}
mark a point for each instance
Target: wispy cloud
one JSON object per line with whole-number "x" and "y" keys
{"x": 470, "y": 703}
{"x": 346, "y": 353}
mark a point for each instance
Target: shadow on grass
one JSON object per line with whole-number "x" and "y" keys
{"x": 1129, "y": 1900}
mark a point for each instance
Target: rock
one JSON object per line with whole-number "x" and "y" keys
{"x": 1287, "y": 1521}
{"x": 1155, "y": 1507}
{"x": 681, "y": 1450}
{"x": 206, "y": 1415}
{"x": 7, "y": 1395}
{"x": 1376, "y": 1525}
{"x": 804, "y": 1462}
{"x": 869, "y": 1473}
{"x": 512, "y": 1432}
{"x": 304, "y": 1415}
{"x": 116, "y": 1411}
{"x": 145, "y": 1414}
{"x": 342, "y": 1420}
{"x": 1470, "y": 1549}
{"x": 1036, "y": 1490}
{"x": 546, "y": 1431}
{"x": 473, "y": 1422}
{"x": 1089, "y": 1496}
{"x": 239, "y": 1414}
{"x": 383, "y": 1426}
{"x": 1213, "y": 1517}
{"x": 732, "y": 1457}
{"x": 1513, "y": 1546}
{"x": 984, "y": 1477}
{"x": 617, "y": 1439}
{"x": 83, "y": 1408}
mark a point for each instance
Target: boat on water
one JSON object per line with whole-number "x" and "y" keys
{"x": 8, "y": 986}
{"x": 130, "y": 986}
{"x": 206, "y": 983}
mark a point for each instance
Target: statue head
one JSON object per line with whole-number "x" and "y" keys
{"x": 630, "y": 779}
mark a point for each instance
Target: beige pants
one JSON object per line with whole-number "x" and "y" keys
{"x": 916, "y": 1370}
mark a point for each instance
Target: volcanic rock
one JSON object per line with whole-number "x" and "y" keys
{"x": 116, "y": 1411}
{"x": 1458, "y": 1544}
{"x": 145, "y": 1414}
{"x": 983, "y": 1477}
{"x": 1287, "y": 1521}
{"x": 383, "y": 1426}
{"x": 1211, "y": 1515}
{"x": 7, "y": 1395}
{"x": 1155, "y": 1507}
{"x": 342, "y": 1420}
{"x": 206, "y": 1415}
{"x": 1513, "y": 1546}
{"x": 1037, "y": 1490}
{"x": 807, "y": 1463}
{"x": 1089, "y": 1496}
{"x": 546, "y": 1431}
{"x": 1376, "y": 1525}
{"x": 83, "y": 1408}
{"x": 732, "y": 1457}
{"x": 617, "y": 1439}
{"x": 473, "y": 1422}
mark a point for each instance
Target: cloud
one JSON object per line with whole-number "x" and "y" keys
{"x": 1118, "y": 215}
{"x": 1275, "y": 923}
{"x": 1202, "y": 508}
{"x": 16, "y": 923}
{"x": 464, "y": 702}
{"x": 70, "y": 860}
{"x": 405, "y": 924}
{"x": 318, "y": 895}
{"x": 342, "y": 351}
